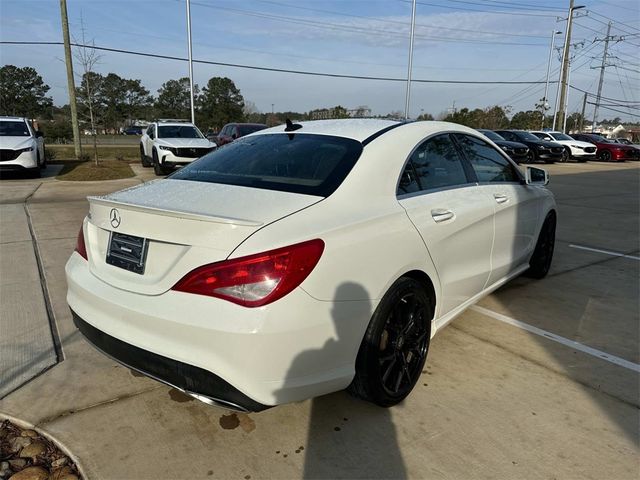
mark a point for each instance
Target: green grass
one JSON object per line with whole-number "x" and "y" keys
{"x": 88, "y": 171}
{"x": 65, "y": 153}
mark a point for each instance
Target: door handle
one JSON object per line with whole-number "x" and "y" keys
{"x": 441, "y": 215}
{"x": 500, "y": 198}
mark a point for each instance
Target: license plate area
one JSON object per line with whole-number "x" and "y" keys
{"x": 128, "y": 252}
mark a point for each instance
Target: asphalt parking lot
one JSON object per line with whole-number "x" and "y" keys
{"x": 539, "y": 380}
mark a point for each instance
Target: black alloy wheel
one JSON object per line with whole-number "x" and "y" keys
{"x": 395, "y": 346}
{"x": 531, "y": 156}
{"x": 158, "y": 169}
{"x": 605, "y": 156}
{"x": 566, "y": 155}
{"x": 540, "y": 262}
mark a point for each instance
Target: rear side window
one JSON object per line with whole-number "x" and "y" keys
{"x": 299, "y": 163}
{"x": 488, "y": 164}
{"x": 434, "y": 164}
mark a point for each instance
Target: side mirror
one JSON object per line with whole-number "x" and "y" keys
{"x": 39, "y": 134}
{"x": 536, "y": 176}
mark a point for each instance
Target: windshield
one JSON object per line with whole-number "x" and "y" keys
{"x": 178, "y": 131}
{"x": 14, "y": 129}
{"x": 527, "y": 136}
{"x": 560, "y": 136}
{"x": 490, "y": 134}
{"x": 247, "y": 129}
{"x": 299, "y": 163}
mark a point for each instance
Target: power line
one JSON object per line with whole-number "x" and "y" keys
{"x": 279, "y": 70}
{"x": 527, "y": 14}
{"x": 594, "y": 95}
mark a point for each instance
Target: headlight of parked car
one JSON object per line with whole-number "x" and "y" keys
{"x": 171, "y": 149}
{"x": 23, "y": 150}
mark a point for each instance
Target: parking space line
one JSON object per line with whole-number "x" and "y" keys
{"x": 621, "y": 362}
{"x": 606, "y": 252}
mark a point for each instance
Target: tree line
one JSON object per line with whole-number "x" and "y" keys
{"x": 114, "y": 102}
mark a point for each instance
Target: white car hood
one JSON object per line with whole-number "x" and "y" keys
{"x": 16, "y": 143}
{"x": 185, "y": 142}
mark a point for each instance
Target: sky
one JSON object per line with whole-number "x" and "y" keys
{"x": 461, "y": 40}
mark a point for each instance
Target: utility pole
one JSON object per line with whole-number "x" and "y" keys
{"x": 564, "y": 71}
{"x": 545, "y": 100}
{"x": 193, "y": 115}
{"x": 602, "y": 67}
{"x": 71, "y": 86}
{"x": 584, "y": 107}
{"x": 410, "y": 68}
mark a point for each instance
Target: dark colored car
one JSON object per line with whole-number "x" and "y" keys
{"x": 539, "y": 150}
{"x": 516, "y": 150}
{"x": 132, "y": 131}
{"x": 608, "y": 150}
{"x": 232, "y": 131}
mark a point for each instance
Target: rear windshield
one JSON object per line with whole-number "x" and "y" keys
{"x": 9, "y": 128}
{"x": 247, "y": 129}
{"x": 178, "y": 131}
{"x": 299, "y": 163}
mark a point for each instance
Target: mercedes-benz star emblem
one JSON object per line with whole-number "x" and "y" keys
{"x": 114, "y": 215}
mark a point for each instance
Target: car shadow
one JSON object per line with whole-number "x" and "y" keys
{"x": 346, "y": 438}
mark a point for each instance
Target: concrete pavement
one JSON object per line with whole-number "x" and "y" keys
{"x": 494, "y": 401}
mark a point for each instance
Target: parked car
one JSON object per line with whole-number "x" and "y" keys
{"x": 211, "y": 135}
{"x": 608, "y": 150}
{"x": 233, "y": 131}
{"x": 576, "y": 149}
{"x": 21, "y": 147}
{"x": 539, "y": 150}
{"x": 306, "y": 259}
{"x": 517, "y": 151}
{"x": 167, "y": 144}
{"x": 132, "y": 131}
{"x": 626, "y": 141}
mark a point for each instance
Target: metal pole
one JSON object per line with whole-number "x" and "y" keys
{"x": 71, "y": 86}
{"x": 410, "y": 68}
{"x": 545, "y": 101}
{"x": 193, "y": 115}
{"x": 565, "y": 64}
{"x": 566, "y": 103}
{"x": 604, "y": 61}
{"x": 584, "y": 107}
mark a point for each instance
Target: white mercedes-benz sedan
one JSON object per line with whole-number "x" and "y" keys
{"x": 307, "y": 258}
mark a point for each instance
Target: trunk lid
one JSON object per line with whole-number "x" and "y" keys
{"x": 183, "y": 225}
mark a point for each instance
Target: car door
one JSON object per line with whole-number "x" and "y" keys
{"x": 516, "y": 205}
{"x": 454, "y": 218}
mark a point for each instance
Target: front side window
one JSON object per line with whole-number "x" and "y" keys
{"x": 301, "y": 163}
{"x": 488, "y": 164}
{"x": 15, "y": 128}
{"x": 509, "y": 136}
{"x": 434, "y": 164}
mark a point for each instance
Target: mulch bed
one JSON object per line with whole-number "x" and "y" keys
{"x": 26, "y": 455}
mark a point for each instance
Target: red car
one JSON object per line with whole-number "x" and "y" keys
{"x": 608, "y": 150}
{"x": 232, "y": 131}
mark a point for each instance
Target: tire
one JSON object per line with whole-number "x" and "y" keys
{"x": 43, "y": 165}
{"x": 604, "y": 156}
{"x": 395, "y": 345}
{"x": 566, "y": 155}
{"x": 157, "y": 168}
{"x": 540, "y": 261}
{"x": 531, "y": 156}
{"x": 144, "y": 160}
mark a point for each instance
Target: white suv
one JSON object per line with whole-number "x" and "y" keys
{"x": 21, "y": 147}
{"x": 579, "y": 150}
{"x": 168, "y": 144}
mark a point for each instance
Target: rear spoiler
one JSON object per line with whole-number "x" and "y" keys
{"x": 174, "y": 213}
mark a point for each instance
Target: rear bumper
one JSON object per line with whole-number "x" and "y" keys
{"x": 192, "y": 380}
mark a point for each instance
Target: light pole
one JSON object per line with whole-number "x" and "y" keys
{"x": 413, "y": 28}
{"x": 564, "y": 71}
{"x": 193, "y": 115}
{"x": 545, "y": 100}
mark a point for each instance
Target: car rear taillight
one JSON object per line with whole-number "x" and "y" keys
{"x": 81, "y": 248}
{"x": 255, "y": 280}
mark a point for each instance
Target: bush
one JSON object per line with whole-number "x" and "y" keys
{"x": 57, "y": 131}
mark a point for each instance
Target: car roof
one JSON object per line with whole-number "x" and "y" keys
{"x": 13, "y": 119}
{"x": 355, "y": 128}
{"x": 176, "y": 124}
